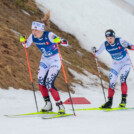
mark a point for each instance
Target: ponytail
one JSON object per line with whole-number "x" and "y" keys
{"x": 46, "y": 19}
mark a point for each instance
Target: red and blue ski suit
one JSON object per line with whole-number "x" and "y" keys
{"x": 120, "y": 63}
{"x": 50, "y": 63}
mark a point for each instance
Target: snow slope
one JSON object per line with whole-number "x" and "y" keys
{"x": 131, "y": 2}
{"x": 87, "y": 20}
{"x": 22, "y": 101}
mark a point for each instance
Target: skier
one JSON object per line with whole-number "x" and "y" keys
{"x": 120, "y": 63}
{"x": 50, "y": 63}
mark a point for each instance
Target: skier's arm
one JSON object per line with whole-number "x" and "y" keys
{"x": 27, "y": 41}
{"x": 126, "y": 44}
{"x": 100, "y": 50}
{"x": 55, "y": 39}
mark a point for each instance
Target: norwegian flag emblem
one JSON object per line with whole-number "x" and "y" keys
{"x": 47, "y": 43}
{"x": 119, "y": 47}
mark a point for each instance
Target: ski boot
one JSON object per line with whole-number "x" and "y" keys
{"x": 108, "y": 104}
{"x": 47, "y": 107}
{"x": 123, "y": 101}
{"x": 61, "y": 107}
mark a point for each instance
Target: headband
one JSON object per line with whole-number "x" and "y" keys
{"x": 110, "y": 34}
{"x": 38, "y": 26}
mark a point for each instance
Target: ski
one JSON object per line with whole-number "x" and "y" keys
{"x": 105, "y": 109}
{"x": 118, "y": 109}
{"x": 35, "y": 114}
{"x": 57, "y": 116}
{"x": 86, "y": 109}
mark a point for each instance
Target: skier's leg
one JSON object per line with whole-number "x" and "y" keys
{"x": 42, "y": 73}
{"x": 124, "y": 74}
{"x": 51, "y": 77}
{"x": 112, "y": 78}
{"x": 112, "y": 82}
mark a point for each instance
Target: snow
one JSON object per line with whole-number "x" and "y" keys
{"x": 88, "y": 80}
{"x": 22, "y": 101}
{"x": 25, "y": 12}
{"x": 15, "y": 32}
{"x": 131, "y": 2}
{"x": 67, "y": 61}
{"x": 87, "y": 20}
{"x": 79, "y": 53}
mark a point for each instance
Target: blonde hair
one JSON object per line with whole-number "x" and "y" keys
{"x": 46, "y": 20}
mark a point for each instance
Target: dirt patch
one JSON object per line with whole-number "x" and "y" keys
{"x": 16, "y": 17}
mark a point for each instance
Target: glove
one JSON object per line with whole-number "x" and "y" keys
{"x": 132, "y": 47}
{"x": 93, "y": 49}
{"x": 64, "y": 42}
{"x": 57, "y": 40}
{"x": 125, "y": 44}
{"x": 23, "y": 39}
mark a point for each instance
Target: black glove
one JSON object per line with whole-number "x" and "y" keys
{"x": 93, "y": 49}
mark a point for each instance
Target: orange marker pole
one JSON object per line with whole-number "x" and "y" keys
{"x": 66, "y": 79}
{"x": 30, "y": 76}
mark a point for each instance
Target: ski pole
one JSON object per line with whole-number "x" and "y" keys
{"x": 66, "y": 79}
{"x": 99, "y": 76}
{"x": 31, "y": 76}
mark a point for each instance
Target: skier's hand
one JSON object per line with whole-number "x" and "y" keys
{"x": 93, "y": 49}
{"x": 132, "y": 47}
{"x": 23, "y": 39}
{"x": 57, "y": 40}
{"x": 63, "y": 42}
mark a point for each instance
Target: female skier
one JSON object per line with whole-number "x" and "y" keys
{"x": 50, "y": 63}
{"x": 120, "y": 62}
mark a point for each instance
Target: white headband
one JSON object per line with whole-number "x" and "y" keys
{"x": 38, "y": 26}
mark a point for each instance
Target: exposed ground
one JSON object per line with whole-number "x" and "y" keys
{"x": 13, "y": 65}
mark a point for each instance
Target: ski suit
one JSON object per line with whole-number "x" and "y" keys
{"x": 120, "y": 62}
{"x": 50, "y": 63}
